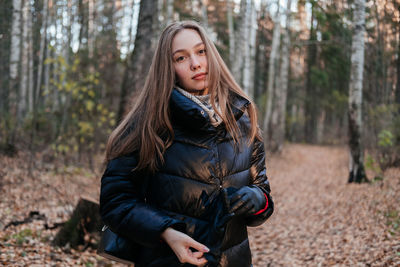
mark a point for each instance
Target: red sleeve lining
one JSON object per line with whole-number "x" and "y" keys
{"x": 265, "y": 208}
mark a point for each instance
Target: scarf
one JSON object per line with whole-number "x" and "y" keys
{"x": 204, "y": 101}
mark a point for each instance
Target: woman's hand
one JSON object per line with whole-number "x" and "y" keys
{"x": 247, "y": 201}
{"x": 181, "y": 243}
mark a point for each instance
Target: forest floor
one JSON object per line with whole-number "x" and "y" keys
{"x": 319, "y": 219}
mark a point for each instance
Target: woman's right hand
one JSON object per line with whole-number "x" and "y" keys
{"x": 181, "y": 243}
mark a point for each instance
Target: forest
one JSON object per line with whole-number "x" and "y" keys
{"x": 325, "y": 77}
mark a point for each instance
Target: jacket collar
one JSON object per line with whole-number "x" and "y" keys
{"x": 187, "y": 112}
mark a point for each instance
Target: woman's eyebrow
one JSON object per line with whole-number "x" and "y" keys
{"x": 181, "y": 50}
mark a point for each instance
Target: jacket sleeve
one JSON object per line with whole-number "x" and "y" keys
{"x": 123, "y": 207}
{"x": 260, "y": 179}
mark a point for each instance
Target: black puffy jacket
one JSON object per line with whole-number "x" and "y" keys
{"x": 186, "y": 192}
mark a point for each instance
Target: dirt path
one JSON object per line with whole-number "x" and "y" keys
{"x": 320, "y": 220}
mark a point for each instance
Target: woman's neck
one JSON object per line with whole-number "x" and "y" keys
{"x": 197, "y": 92}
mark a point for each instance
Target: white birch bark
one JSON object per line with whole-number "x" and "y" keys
{"x": 23, "y": 86}
{"x": 15, "y": 39}
{"x": 15, "y": 49}
{"x": 134, "y": 10}
{"x": 231, "y": 31}
{"x": 252, "y": 47}
{"x": 271, "y": 70}
{"x": 357, "y": 173}
{"x": 91, "y": 29}
{"x": 246, "y": 48}
{"x": 239, "y": 44}
{"x": 279, "y": 128}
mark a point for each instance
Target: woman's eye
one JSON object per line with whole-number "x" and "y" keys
{"x": 178, "y": 59}
{"x": 202, "y": 51}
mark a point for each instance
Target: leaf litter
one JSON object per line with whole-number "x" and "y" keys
{"x": 319, "y": 219}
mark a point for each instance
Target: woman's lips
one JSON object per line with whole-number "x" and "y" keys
{"x": 200, "y": 76}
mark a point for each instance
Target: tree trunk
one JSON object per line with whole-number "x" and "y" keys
{"x": 249, "y": 66}
{"x": 5, "y": 51}
{"x": 140, "y": 59}
{"x": 15, "y": 55}
{"x": 67, "y": 26}
{"x": 379, "y": 65}
{"x": 271, "y": 72}
{"x": 398, "y": 67}
{"x": 278, "y": 130}
{"x": 23, "y": 86}
{"x": 260, "y": 63}
{"x": 82, "y": 9}
{"x": 239, "y": 44}
{"x": 132, "y": 21}
{"x": 38, "y": 88}
{"x": 231, "y": 31}
{"x": 31, "y": 83}
{"x": 247, "y": 47}
{"x": 357, "y": 173}
{"x": 311, "y": 106}
{"x": 91, "y": 29}
{"x": 83, "y": 227}
{"x": 41, "y": 51}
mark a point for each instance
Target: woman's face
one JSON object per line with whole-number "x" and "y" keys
{"x": 190, "y": 61}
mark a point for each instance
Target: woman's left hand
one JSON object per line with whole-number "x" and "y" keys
{"x": 247, "y": 200}
{"x": 181, "y": 244}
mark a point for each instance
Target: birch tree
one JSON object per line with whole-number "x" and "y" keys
{"x": 24, "y": 80}
{"x": 357, "y": 172}
{"x": 91, "y": 29}
{"x": 278, "y": 127}
{"x": 271, "y": 70}
{"x": 231, "y": 31}
{"x": 311, "y": 106}
{"x": 249, "y": 49}
{"x": 239, "y": 43}
{"x": 15, "y": 49}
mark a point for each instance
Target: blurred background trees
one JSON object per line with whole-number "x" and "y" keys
{"x": 70, "y": 68}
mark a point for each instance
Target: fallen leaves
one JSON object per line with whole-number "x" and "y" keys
{"x": 319, "y": 219}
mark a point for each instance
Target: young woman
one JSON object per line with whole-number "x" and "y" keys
{"x": 186, "y": 167}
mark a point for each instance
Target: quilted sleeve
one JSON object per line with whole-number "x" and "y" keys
{"x": 260, "y": 179}
{"x": 123, "y": 207}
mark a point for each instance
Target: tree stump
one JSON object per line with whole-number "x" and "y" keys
{"x": 83, "y": 227}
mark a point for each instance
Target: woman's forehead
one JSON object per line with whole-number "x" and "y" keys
{"x": 186, "y": 39}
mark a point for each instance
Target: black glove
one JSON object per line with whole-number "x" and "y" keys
{"x": 247, "y": 200}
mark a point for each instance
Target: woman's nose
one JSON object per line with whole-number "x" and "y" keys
{"x": 195, "y": 63}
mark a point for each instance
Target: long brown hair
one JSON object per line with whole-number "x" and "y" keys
{"x": 147, "y": 128}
